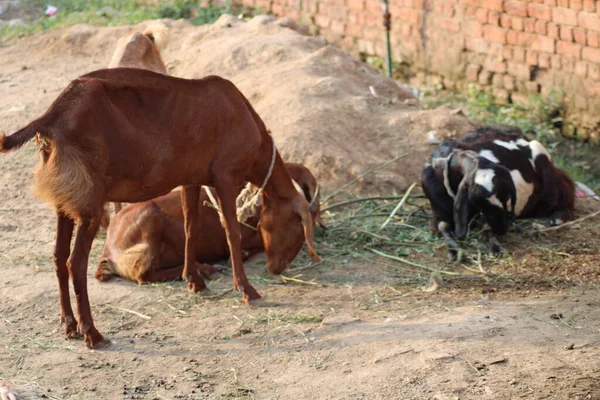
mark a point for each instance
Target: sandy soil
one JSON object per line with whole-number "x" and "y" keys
{"x": 531, "y": 330}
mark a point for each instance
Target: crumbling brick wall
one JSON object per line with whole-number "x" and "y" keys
{"x": 513, "y": 47}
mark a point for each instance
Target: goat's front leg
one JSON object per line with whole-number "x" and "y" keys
{"x": 494, "y": 248}
{"x": 77, "y": 264}
{"x": 453, "y": 246}
{"x": 64, "y": 233}
{"x": 227, "y": 199}
{"x": 190, "y": 196}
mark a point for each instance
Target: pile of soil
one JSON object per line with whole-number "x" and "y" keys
{"x": 325, "y": 109}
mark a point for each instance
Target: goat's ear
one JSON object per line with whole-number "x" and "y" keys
{"x": 315, "y": 207}
{"x": 302, "y": 209}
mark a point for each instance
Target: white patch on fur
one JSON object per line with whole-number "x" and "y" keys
{"x": 522, "y": 142}
{"x": 537, "y": 148}
{"x": 494, "y": 200}
{"x": 489, "y": 155}
{"x": 524, "y": 190}
{"x": 508, "y": 145}
{"x": 484, "y": 177}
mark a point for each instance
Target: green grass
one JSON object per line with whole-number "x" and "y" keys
{"x": 118, "y": 12}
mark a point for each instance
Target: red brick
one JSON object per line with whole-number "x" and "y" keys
{"x": 533, "y": 87}
{"x": 540, "y": 27}
{"x": 517, "y": 8}
{"x": 418, "y": 4}
{"x": 449, "y": 10}
{"x": 509, "y": 82}
{"x": 591, "y": 54}
{"x": 579, "y": 35}
{"x": 373, "y": 6}
{"x": 449, "y": 24}
{"x": 566, "y": 33}
{"x": 473, "y": 72}
{"x": 556, "y": 61}
{"x": 519, "y": 54}
{"x": 512, "y": 37}
{"x": 482, "y": 15}
{"x": 322, "y": 21}
{"x": 551, "y": 3}
{"x": 519, "y": 70}
{"x": 589, "y": 21}
{"x": 517, "y": 24}
{"x": 505, "y": 21}
{"x": 539, "y": 11}
{"x": 594, "y": 71}
{"x": 507, "y": 52}
{"x": 353, "y": 30}
{"x": 337, "y": 27}
{"x": 576, "y": 5}
{"x": 593, "y": 39}
{"x": 495, "y": 5}
{"x": 495, "y": 66}
{"x": 494, "y": 34}
{"x": 543, "y": 44}
{"x": 563, "y": 3}
{"x": 581, "y": 69}
{"x": 475, "y": 29}
{"x": 525, "y": 39}
{"x": 532, "y": 58}
{"x": 544, "y": 60}
{"x": 485, "y": 77}
{"x": 498, "y": 80}
{"x": 410, "y": 16}
{"x": 494, "y": 18}
{"x": 529, "y": 25}
{"x": 564, "y": 16}
{"x": 553, "y": 30}
{"x": 358, "y": 5}
{"x": 568, "y": 49}
{"x": 589, "y": 5}
{"x": 592, "y": 89}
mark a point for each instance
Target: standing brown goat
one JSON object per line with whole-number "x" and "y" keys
{"x": 129, "y": 135}
{"x": 140, "y": 50}
{"x": 145, "y": 242}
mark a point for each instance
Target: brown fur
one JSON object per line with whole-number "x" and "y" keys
{"x": 130, "y": 135}
{"x": 130, "y": 252}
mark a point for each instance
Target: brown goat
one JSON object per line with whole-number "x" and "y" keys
{"x": 130, "y": 135}
{"x": 140, "y": 50}
{"x": 145, "y": 242}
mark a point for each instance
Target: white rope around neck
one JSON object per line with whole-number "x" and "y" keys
{"x": 246, "y": 205}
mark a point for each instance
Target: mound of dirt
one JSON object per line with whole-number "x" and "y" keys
{"x": 325, "y": 108}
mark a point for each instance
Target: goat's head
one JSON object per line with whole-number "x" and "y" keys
{"x": 284, "y": 227}
{"x": 458, "y": 170}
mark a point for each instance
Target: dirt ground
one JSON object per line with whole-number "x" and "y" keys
{"x": 529, "y": 328}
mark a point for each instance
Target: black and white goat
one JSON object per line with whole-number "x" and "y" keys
{"x": 497, "y": 173}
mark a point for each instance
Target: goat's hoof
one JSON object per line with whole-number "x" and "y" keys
{"x": 495, "y": 251}
{"x": 70, "y": 328}
{"x": 196, "y": 285}
{"x": 251, "y": 296}
{"x": 93, "y": 339}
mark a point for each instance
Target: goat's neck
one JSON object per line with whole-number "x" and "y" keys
{"x": 279, "y": 186}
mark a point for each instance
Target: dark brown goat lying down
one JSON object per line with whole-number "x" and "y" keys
{"x": 145, "y": 242}
{"x": 130, "y": 135}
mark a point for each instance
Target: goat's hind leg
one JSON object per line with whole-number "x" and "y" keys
{"x": 190, "y": 196}
{"x": 64, "y": 233}
{"x": 77, "y": 263}
{"x": 227, "y": 201}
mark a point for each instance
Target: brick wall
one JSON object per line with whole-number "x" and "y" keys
{"x": 513, "y": 47}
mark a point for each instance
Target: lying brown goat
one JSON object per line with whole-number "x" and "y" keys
{"x": 130, "y": 135}
{"x": 140, "y": 50}
{"x": 145, "y": 242}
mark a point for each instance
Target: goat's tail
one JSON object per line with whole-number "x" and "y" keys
{"x": 134, "y": 262}
{"x": 158, "y": 33}
{"x": 17, "y": 139}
